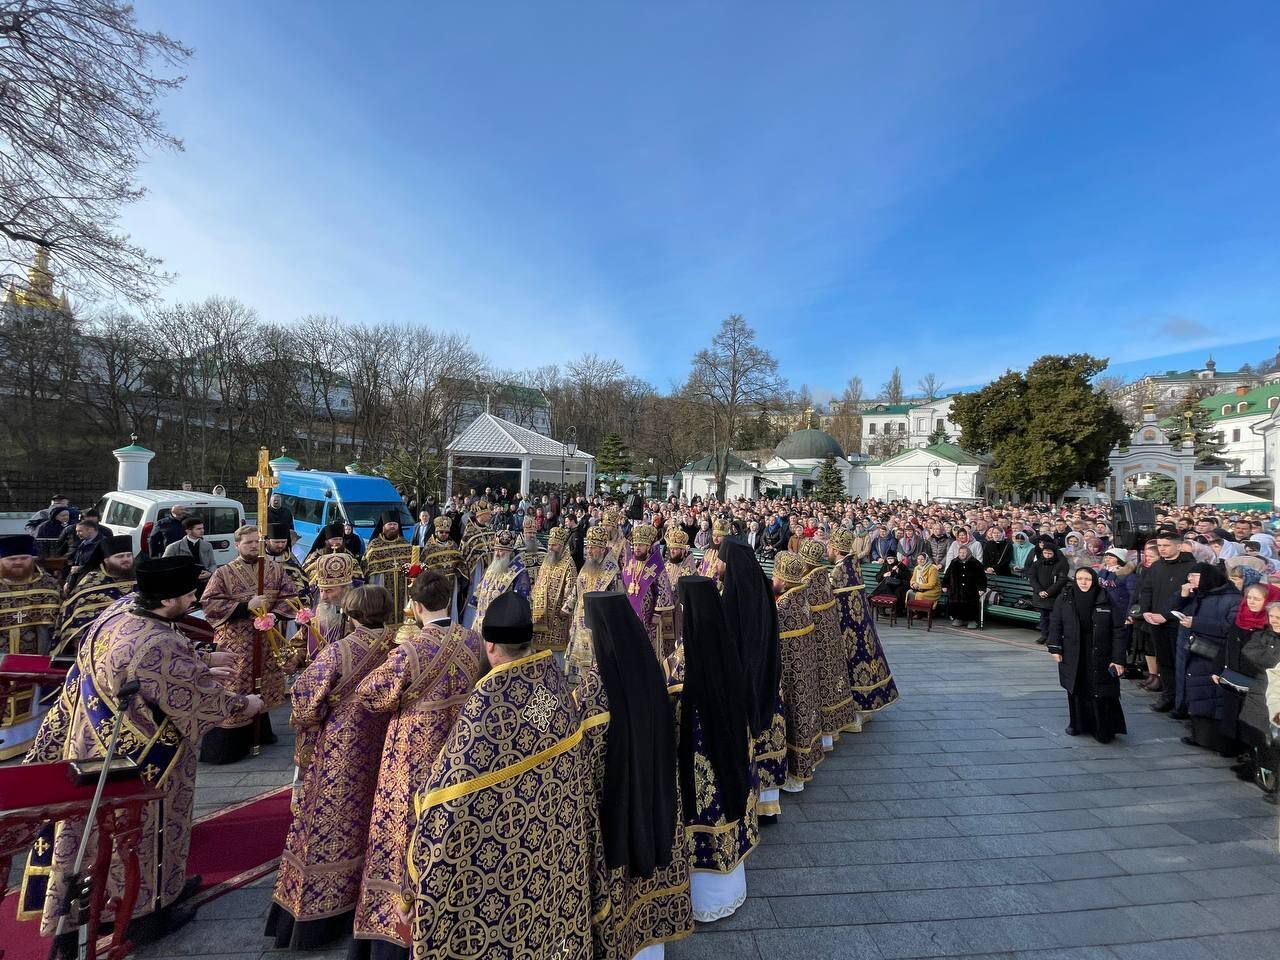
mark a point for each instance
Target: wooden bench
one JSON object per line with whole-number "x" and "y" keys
{"x": 1010, "y": 590}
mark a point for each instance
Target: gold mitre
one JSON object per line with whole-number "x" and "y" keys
{"x": 644, "y": 535}
{"x": 789, "y": 567}
{"x": 813, "y": 551}
{"x": 335, "y": 570}
{"x": 598, "y": 536}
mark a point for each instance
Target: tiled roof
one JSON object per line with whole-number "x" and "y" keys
{"x": 488, "y": 434}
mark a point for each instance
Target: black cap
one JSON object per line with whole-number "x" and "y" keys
{"x": 277, "y": 531}
{"x": 18, "y": 545}
{"x": 118, "y": 544}
{"x": 166, "y": 577}
{"x": 333, "y": 531}
{"x": 509, "y": 621}
{"x": 391, "y": 516}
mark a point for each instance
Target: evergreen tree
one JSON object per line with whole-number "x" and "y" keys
{"x": 1195, "y": 418}
{"x": 939, "y": 435}
{"x": 1046, "y": 428}
{"x": 830, "y": 486}
{"x": 613, "y": 459}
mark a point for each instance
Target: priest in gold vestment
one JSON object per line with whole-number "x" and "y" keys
{"x": 499, "y": 862}
{"x": 553, "y": 590}
{"x": 386, "y": 562}
{"x": 801, "y": 687}
{"x": 598, "y": 573}
{"x": 640, "y": 870}
{"x": 838, "y": 712}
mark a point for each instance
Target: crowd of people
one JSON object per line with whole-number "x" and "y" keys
{"x": 549, "y": 727}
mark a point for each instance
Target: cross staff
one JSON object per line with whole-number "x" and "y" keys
{"x": 263, "y": 481}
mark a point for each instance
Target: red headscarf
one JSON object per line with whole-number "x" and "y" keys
{"x": 1246, "y": 619}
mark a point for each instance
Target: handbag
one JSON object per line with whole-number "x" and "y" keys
{"x": 1203, "y": 647}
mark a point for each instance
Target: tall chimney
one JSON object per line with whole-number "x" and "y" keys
{"x": 134, "y": 471}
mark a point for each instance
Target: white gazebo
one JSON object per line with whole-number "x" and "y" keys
{"x": 491, "y": 445}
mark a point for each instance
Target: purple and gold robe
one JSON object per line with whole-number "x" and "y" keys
{"x": 553, "y": 590}
{"x": 176, "y": 686}
{"x": 871, "y": 681}
{"x": 838, "y": 712}
{"x": 499, "y": 859}
{"x": 769, "y": 751}
{"x": 338, "y": 747}
{"x": 232, "y": 585}
{"x": 628, "y": 913}
{"x": 513, "y": 580}
{"x": 421, "y": 686}
{"x": 94, "y": 592}
{"x": 714, "y": 844}
{"x": 581, "y": 654}
{"x": 801, "y": 688}
{"x": 29, "y": 612}
{"x": 648, "y": 590}
{"x": 386, "y": 564}
{"x": 687, "y": 567}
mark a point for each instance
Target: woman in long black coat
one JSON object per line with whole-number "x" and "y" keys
{"x": 1208, "y": 614}
{"x": 963, "y": 583}
{"x": 1086, "y": 638}
{"x": 1260, "y": 654}
{"x": 1048, "y": 575}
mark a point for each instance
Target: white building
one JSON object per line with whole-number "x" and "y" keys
{"x": 793, "y": 468}
{"x": 1236, "y": 415}
{"x": 1268, "y": 430}
{"x": 907, "y": 424}
{"x": 941, "y": 470}
{"x": 1172, "y": 385}
{"x": 698, "y": 478}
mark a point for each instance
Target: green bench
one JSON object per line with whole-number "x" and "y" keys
{"x": 1010, "y": 589}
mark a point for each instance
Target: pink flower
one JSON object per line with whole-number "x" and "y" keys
{"x": 265, "y": 622}
{"x": 304, "y": 616}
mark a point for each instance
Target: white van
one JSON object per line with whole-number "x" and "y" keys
{"x": 134, "y": 513}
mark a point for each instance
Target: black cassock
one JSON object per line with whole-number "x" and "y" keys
{"x": 1089, "y": 644}
{"x": 965, "y": 580}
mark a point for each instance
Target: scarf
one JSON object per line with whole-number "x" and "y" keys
{"x": 1085, "y": 601}
{"x": 1246, "y": 619}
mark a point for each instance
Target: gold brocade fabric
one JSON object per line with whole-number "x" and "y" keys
{"x": 581, "y": 654}
{"x": 95, "y": 591}
{"x": 515, "y": 579}
{"x": 385, "y": 565}
{"x": 499, "y": 860}
{"x": 770, "y": 752}
{"x": 338, "y": 746}
{"x": 28, "y": 613}
{"x": 531, "y": 554}
{"x": 174, "y": 684}
{"x": 313, "y": 558}
{"x": 444, "y": 558}
{"x": 714, "y": 844}
{"x": 477, "y": 548}
{"x": 294, "y": 571}
{"x": 628, "y": 913}
{"x": 801, "y": 688}
{"x": 422, "y": 685}
{"x": 871, "y": 681}
{"x": 553, "y": 590}
{"x": 235, "y": 583}
{"x": 838, "y": 712}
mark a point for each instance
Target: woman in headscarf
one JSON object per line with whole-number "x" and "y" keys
{"x": 1087, "y": 641}
{"x": 1206, "y": 616}
{"x": 925, "y": 584}
{"x": 1023, "y": 553}
{"x": 997, "y": 552}
{"x": 1251, "y": 618}
{"x": 1261, "y": 656}
{"x": 963, "y": 583}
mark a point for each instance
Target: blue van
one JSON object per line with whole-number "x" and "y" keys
{"x": 317, "y": 498}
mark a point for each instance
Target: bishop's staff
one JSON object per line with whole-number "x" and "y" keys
{"x": 263, "y": 481}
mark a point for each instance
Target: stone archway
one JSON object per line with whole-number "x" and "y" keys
{"x": 1150, "y": 451}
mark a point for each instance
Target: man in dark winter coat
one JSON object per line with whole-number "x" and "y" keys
{"x": 1048, "y": 575}
{"x": 1159, "y": 594}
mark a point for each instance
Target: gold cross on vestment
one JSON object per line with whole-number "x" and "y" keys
{"x": 41, "y": 846}
{"x": 263, "y": 481}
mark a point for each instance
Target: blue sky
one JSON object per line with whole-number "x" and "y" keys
{"x": 953, "y": 187}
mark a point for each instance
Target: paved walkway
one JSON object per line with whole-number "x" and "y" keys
{"x": 962, "y": 822}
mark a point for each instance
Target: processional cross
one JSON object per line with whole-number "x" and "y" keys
{"x": 263, "y": 481}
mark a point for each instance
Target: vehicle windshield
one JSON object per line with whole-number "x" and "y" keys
{"x": 368, "y": 514}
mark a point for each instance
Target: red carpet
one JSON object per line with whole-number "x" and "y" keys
{"x": 229, "y": 849}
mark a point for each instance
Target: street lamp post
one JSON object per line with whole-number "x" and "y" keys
{"x": 570, "y": 446}
{"x": 932, "y": 468}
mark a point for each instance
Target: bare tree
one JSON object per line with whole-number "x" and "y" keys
{"x": 39, "y": 366}
{"x": 77, "y": 112}
{"x": 892, "y": 392}
{"x": 930, "y": 386}
{"x": 846, "y": 425}
{"x": 728, "y": 379}
{"x": 320, "y": 349}
{"x": 118, "y": 359}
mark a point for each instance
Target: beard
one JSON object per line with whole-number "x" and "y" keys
{"x": 555, "y": 553}
{"x": 592, "y": 565}
{"x": 118, "y": 571}
{"x": 677, "y": 556}
{"x": 498, "y": 566}
{"x": 329, "y": 615}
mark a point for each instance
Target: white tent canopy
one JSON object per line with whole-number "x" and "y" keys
{"x": 1217, "y": 495}
{"x": 502, "y": 448}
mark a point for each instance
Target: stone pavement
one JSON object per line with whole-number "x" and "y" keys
{"x": 962, "y": 822}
